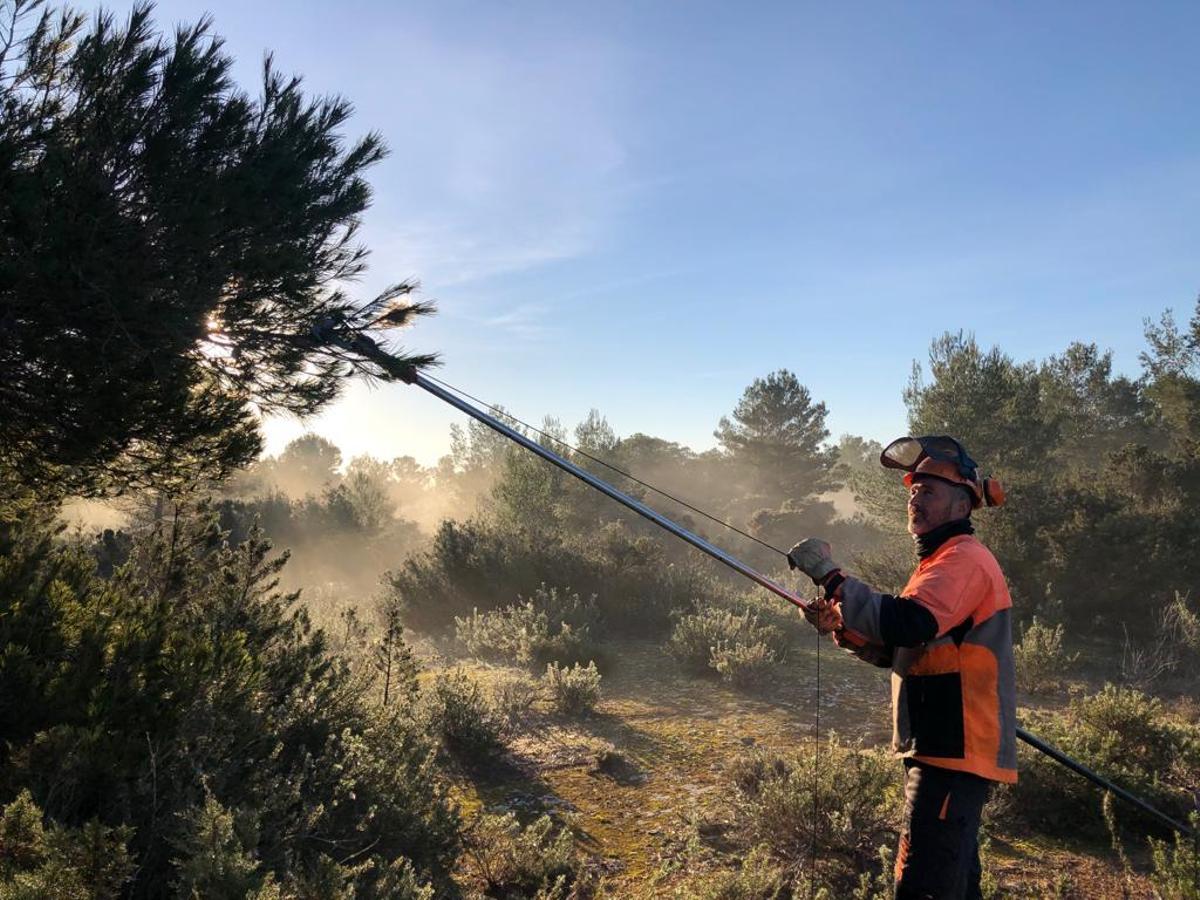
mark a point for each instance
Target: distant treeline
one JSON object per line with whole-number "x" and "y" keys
{"x": 1102, "y": 472}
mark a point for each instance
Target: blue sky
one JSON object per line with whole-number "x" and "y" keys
{"x": 642, "y": 206}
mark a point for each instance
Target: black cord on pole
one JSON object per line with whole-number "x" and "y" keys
{"x": 812, "y": 888}
{"x": 501, "y": 412}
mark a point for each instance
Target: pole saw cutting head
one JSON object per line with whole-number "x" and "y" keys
{"x": 941, "y": 456}
{"x": 334, "y": 332}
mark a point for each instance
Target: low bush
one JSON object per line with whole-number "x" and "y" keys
{"x": 478, "y": 566}
{"x": 1124, "y": 735}
{"x": 537, "y": 861}
{"x": 637, "y": 588}
{"x": 758, "y": 878}
{"x": 574, "y": 691}
{"x": 456, "y": 711}
{"x": 186, "y": 677}
{"x": 87, "y": 863}
{"x": 786, "y": 620}
{"x": 1179, "y": 622}
{"x": 842, "y": 800}
{"x": 743, "y": 665}
{"x": 1172, "y": 649}
{"x": 880, "y": 883}
{"x": 607, "y": 759}
{"x": 513, "y": 697}
{"x": 548, "y": 627}
{"x": 737, "y": 646}
{"x": 1040, "y": 658}
{"x": 1177, "y": 865}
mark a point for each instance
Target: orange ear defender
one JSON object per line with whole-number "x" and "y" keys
{"x": 941, "y": 456}
{"x": 993, "y": 492}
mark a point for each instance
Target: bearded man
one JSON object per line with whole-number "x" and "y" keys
{"x": 947, "y": 638}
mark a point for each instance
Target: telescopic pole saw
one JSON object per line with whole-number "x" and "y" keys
{"x": 364, "y": 346}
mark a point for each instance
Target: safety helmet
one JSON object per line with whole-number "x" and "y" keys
{"x": 941, "y": 456}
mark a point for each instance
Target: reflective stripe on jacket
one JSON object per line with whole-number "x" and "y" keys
{"x": 954, "y": 697}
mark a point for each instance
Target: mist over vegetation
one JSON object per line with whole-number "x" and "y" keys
{"x": 1100, "y": 469}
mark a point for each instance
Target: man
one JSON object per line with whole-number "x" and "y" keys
{"x": 948, "y": 641}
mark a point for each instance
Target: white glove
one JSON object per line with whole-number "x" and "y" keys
{"x": 813, "y": 557}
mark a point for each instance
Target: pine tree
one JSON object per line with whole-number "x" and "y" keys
{"x": 167, "y": 245}
{"x": 392, "y": 657}
{"x": 775, "y": 441}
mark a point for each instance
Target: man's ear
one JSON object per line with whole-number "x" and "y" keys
{"x": 964, "y": 504}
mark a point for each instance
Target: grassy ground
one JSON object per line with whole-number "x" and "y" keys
{"x": 642, "y": 780}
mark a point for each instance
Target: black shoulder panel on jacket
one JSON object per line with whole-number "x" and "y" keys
{"x": 905, "y": 623}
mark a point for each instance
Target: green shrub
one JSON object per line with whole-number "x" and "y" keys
{"x": 187, "y": 675}
{"x": 459, "y": 714}
{"x": 789, "y": 627}
{"x": 213, "y": 859}
{"x": 1124, "y": 735}
{"x": 636, "y": 587}
{"x": 509, "y": 861}
{"x": 1040, "y": 658}
{"x": 1179, "y": 622}
{"x": 574, "y": 691}
{"x": 1172, "y": 649}
{"x": 879, "y": 884}
{"x": 758, "y": 878}
{"x": 399, "y": 881}
{"x": 467, "y": 566}
{"x": 743, "y": 665}
{"x": 1177, "y": 866}
{"x": 87, "y": 863}
{"x": 735, "y": 645}
{"x": 476, "y": 567}
{"x": 548, "y": 627}
{"x": 513, "y": 697}
{"x": 844, "y": 799}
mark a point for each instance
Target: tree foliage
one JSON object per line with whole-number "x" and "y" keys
{"x": 778, "y": 433}
{"x": 167, "y": 244}
{"x": 187, "y": 701}
{"x": 1102, "y": 471}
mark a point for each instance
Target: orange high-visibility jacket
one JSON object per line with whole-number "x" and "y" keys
{"x": 954, "y": 697}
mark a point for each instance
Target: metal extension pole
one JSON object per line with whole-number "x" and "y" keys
{"x": 607, "y": 489}
{"x": 364, "y": 346}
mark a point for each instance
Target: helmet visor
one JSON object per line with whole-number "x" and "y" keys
{"x": 902, "y": 453}
{"x": 907, "y": 452}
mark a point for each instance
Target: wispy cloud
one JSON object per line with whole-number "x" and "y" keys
{"x": 524, "y": 322}
{"x": 448, "y": 254}
{"x": 510, "y": 158}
